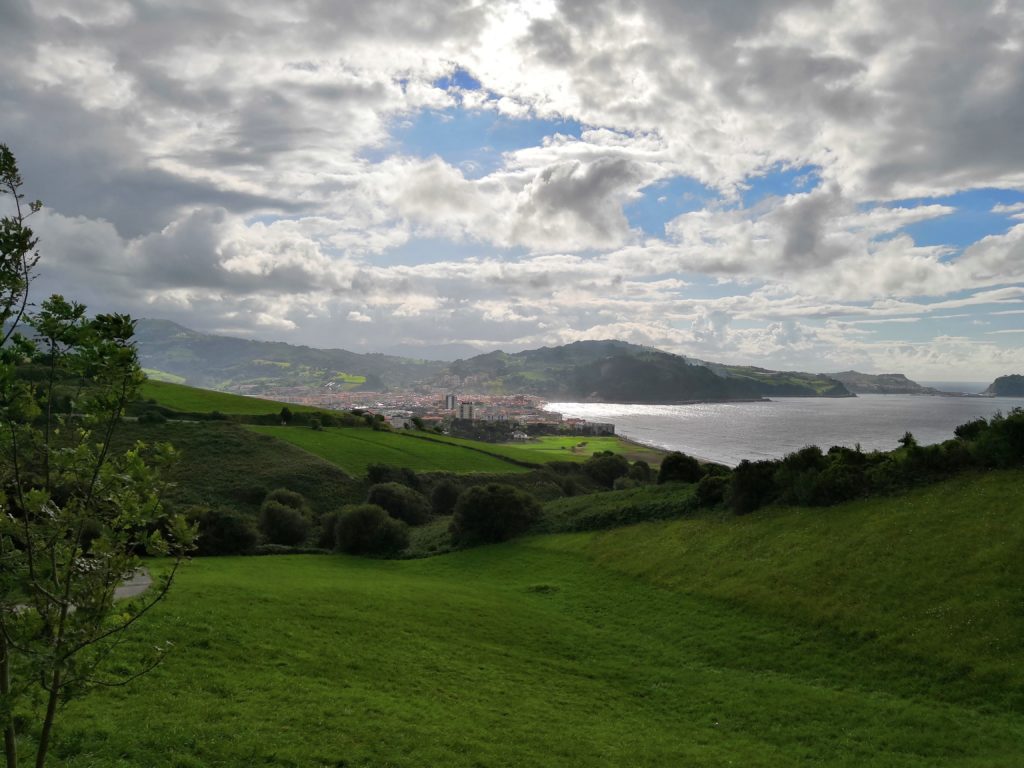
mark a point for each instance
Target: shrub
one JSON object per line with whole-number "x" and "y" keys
{"x": 385, "y": 473}
{"x": 711, "y": 490}
{"x": 605, "y": 467}
{"x": 679, "y": 468}
{"x": 752, "y": 486}
{"x": 152, "y": 416}
{"x": 401, "y": 502}
{"x": 289, "y": 498}
{"x": 492, "y": 513}
{"x": 328, "y": 527}
{"x": 223, "y": 531}
{"x": 443, "y": 497}
{"x": 366, "y": 529}
{"x": 282, "y": 524}
{"x": 624, "y": 483}
{"x": 640, "y": 471}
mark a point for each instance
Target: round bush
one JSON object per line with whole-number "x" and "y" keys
{"x": 289, "y": 498}
{"x": 606, "y": 467}
{"x": 679, "y": 468}
{"x": 366, "y": 529}
{"x": 401, "y": 502}
{"x": 282, "y": 524}
{"x": 444, "y": 497}
{"x": 224, "y": 532}
{"x": 491, "y": 513}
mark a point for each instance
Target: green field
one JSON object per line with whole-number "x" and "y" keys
{"x": 354, "y": 449}
{"x": 870, "y": 634}
{"x": 179, "y": 397}
{"x": 577, "y": 448}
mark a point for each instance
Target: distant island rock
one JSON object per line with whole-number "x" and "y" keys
{"x": 881, "y": 384}
{"x": 1006, "y": 386}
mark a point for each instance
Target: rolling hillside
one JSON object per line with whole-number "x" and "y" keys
{"x": 880, "y": 634}
{"x": 167, "y": 349}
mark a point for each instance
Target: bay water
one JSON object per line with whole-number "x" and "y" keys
{"x": 730, "y": 432}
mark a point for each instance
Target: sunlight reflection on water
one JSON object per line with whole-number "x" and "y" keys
{"x": 730, "y": 432}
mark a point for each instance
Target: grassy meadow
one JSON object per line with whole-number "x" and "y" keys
{"x": 179, "y": 397}
{"x": 353, "y": 449}
{"x": 874, "y": 633}
{"x": 578, "y": 448}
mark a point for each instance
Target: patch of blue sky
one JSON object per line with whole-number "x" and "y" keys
{"x": 779, "y": 181}
{"x": 460, "y": 78}
{"x": 972, "y": 220}
{"x": 472, "y": 140}
{"x": 665, "y": 200}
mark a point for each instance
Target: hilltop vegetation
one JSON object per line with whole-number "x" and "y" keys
{"x": 615, "y": 371}
{"x": 1007, "y": 386}
{"x": 881, "y": 384}
{"x": 224, "y": 362}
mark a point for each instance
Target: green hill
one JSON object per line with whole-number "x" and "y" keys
{"x": 179, "y": 397}
{"x": 224, "y": 362}
{"x": 875, "y": 633}
{"x": 615, "y": 371}
{"x": 1007, "y": 386}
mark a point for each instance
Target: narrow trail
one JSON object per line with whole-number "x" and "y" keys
{"x": 135, "y": 585}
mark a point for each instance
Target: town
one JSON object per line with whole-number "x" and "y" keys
{"x": 495, "y": 418}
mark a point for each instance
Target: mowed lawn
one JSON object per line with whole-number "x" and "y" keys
{"x": 179, "y": 397}
{"x": 552, "y": 448}
{"x": 353, "y": 449}
{"x": 665, "y": 644}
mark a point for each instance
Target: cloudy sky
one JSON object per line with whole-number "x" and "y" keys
{"x": 790, "y": 183}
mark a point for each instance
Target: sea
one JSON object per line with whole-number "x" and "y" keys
{"x": 730, "y": 432}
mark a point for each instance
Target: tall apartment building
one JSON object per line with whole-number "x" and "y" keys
{"x": 450, "y": 403}
{"x": 466, "y": 411}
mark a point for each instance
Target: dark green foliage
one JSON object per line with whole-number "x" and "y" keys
{"x": 285, "y": 415}
{"x": 753, "y": 486}
{"x": 710, "y": 490}
{"x": 152, "y": 416}
{"x": 492, "y": 513}
{"x": 316, "y": 425}
{"x": 443, "y": 497}
{"x": 605, "y": 467}
{"x": 611, "y": 510}
{"x": 288, "y": 498}
{"x": 224, "y": 531}
{"x": 385, "y": 473}
{"x": 640, "y": 471}
{"x": 972, "y": 430}
{"x": 366, "y": 529}
{"x": 401, "y": 502}
{"x": 679, "y": 468}
{"x": 282, "y": 524}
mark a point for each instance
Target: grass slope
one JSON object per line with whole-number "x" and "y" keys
{"x": 354, "y": 449}
{"x": 225, "y": 464}
{"x": 936, "y": 573}
{"x": 552, "y": 448}
{"x": 194, "y": 400}
{"x": 836, "y": 637}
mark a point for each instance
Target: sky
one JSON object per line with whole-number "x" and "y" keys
{"x": 796, "y": 184}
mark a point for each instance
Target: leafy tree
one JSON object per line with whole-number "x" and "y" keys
{"x": 605, "y": 467}
{"x": 443, "y": 497}
{"x": 640, "y": 471}
{"x": 282, "y": 524}
{"x": 400, "y": 502}
{"x": 679, "y": 468}
{"x": 224, "y": 531}
{"x": 492, "y": 513}
{"x": 418, "y": 423}
{"x": 366, "y": 529}
{"x": 74, "y": 513}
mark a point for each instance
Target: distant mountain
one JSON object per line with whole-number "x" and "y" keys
{"x": 1007, "y": 386}
{"x": 171, "y": 351}
{"x": 881, "y": 384}
{"x": 616, "y": 371}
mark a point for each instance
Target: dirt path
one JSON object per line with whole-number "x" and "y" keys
{"x": 135, "y": 585}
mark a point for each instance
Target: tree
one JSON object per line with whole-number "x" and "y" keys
{"x": 283, "y": 524}
{"x": 286, "y": 415}
{"x": 366, "y": 529}
{"x": 401, "y": 502}
{"x": 679, "y": 468}
{"x": 74, "y": 513}
{"x": 605, "y": 467}
{"x": 492, "y": 513}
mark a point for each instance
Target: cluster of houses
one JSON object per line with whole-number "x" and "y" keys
{"x": 519, "y": 413}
